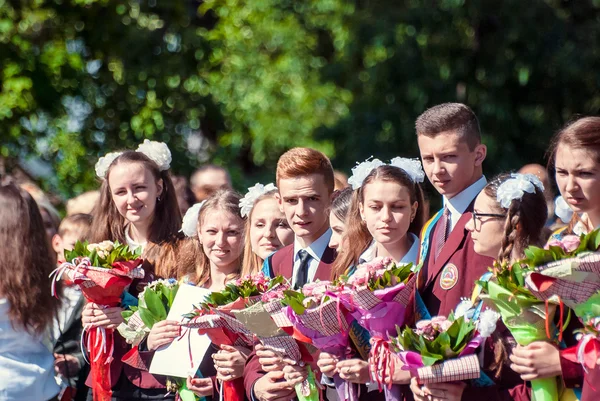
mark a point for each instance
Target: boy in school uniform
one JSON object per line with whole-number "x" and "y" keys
{"x": 452, "y": 154}
{"x": 450, "y": 145}
{"x": 305, "y": 181}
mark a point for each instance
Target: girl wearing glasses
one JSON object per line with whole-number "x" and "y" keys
{"x": 575, "y": 154}
{"x": 508, "y": 216}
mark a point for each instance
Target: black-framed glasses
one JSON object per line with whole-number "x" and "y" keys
{"x": 477, "y": 217}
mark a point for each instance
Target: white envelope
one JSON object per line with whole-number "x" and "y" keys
{"x": 174, "y": 359}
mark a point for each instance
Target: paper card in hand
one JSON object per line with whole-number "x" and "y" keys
{"x": 162, "y": 363}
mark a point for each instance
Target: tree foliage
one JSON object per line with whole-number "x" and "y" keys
{"x": 239, "y": 81}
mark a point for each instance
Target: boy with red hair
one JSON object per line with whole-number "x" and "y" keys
{"x": 305, "y": 181}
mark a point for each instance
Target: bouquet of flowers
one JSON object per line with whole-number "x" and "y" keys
{"x": 102, "y": 271}
{"x": 154, "y": 303}
{"x": 317, "y": 313}
{"x": 266, "y": 320}
{"x": 443, "y": 349}
{"x": 588, "y": 349}
{"x": 379, "y": 294}
{"x": 215, "y": 318}
{"x": 566, "y": 270}
{"x": 523, "y": 314}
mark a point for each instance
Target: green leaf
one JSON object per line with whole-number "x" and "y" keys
{"x": 155, "y": 305}
{"x": 594, "y": 241}
{"x": 126, "y": 314}
{"x": 148, "y": 318}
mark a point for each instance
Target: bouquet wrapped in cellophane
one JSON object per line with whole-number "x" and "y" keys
{"x": 444, "y": 349}
{"x": 567, "y": 270}
{"x": 378, "y": 295}
{"x": 266, "y": 320}
{"x": 316, "y": 312}
{"x": 215, "y": 318}
{"x": 527, "y": 318}
{"x": 154, "y": 304}
{"x": 103, "y": 271}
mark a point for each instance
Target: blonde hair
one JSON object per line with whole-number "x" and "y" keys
{"x": 252, "y": 263}
{"x": 226, "y": 201}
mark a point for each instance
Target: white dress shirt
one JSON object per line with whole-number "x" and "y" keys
{"x": 315, "y": 250}
{"x": 26, "y": 364}
{"x": 460, "y": 202}
{"x": 410, "y": 257}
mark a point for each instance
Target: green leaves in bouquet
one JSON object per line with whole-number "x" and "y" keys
{"x": 589, "y": 309}
{"x": 594, "y": 240}
{"x": 233, "y": 292}
{"x": 119, "y": 253}
{"x": 295, "y": 300}
{"x": 535, "y": 256}
{"x": 512, "y": 278}
{"x": 79, "y": 250}
{"x": 445, "y": 345}
{"x": 155, "y": 303}
{"x": 127, "y": 313}
{"x": 395, "y": 275}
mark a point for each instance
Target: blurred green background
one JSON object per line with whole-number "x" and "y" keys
{"x": 237, "y": 82}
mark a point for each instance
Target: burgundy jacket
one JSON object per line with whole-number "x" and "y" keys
{"x": 282, "y": 263}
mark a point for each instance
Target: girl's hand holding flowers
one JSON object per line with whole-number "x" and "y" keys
{"x": 538, "y": 360}
{"x": 230, "y": 361}
{"x": 399, "y": 375}
{"x": 200, "y": 386}
{"x": 95, "y": 315}
{"x": 269, "y": 360}
{"x": 163, "y": 333}
{"x": 438, "y": 391}
{"x": 295, "y": 374}
{"x": 327, "y": 364}
{"x": 354, "y": 370}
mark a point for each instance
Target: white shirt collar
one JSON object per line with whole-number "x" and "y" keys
{"x": 461, "y": 201}
{"x": 131, "y": 243}
{"x": 410, "y": 257}
{"x": 317, "y": 248}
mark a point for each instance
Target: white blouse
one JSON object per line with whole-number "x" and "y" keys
{"x": 26, "y": 364}
{"x": 411, "y": 256}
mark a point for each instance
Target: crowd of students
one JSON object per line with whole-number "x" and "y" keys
{"x": 302, "y": 229}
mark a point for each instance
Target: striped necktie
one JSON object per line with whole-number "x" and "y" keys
{"x": 443, "y": 232}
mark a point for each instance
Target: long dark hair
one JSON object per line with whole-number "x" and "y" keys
{"x": 108, "y": 224}
{"x": 357, "y": 233}
{"x": 25, "y": 262}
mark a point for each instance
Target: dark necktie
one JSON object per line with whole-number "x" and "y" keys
{"x": 443, "y": 232}
{"x": 302, "y": 274}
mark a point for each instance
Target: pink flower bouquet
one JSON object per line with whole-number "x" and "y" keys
{"x": 316, "y": 312}
{"x": 443, "y": 349}
{"x": 566, "y": 270}
{"x": 378, "y": 295}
